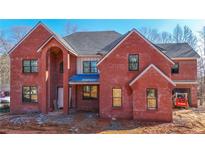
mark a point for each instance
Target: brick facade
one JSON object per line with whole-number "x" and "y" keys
{"x": 114, "y": 73}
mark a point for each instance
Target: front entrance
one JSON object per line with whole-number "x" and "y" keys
{"x": 60, "y": 98}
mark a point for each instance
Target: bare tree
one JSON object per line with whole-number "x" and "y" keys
{"x": 5, "y": 44}
{"x": 69, "y": 28}
{"x": 4, "y": 69}
{"x": 151, "y": 34}
{"x": 184, "y": 35}
{"x": 189, "y": 37}
{"x": 166, "y": 37}
{"x": 201, "y": 65}
{"x": 18, "y": 32}
{"x": 178, "y": 34}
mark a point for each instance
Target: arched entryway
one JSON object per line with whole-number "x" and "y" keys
{"x": 54, "y": 90}
{"x": 54, "y": 66}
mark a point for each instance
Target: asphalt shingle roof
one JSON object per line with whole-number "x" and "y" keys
{"x": 89, "y": 43}
{"x": 181, "y": 50}
{"x": 86, "y": 43}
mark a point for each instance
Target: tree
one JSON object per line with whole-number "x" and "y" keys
{"x": 189, "y": 37}
{"x": 5, "y": 44}
{"x": 151, "y": 34}
{"x": 166, "y": 37}
{"x": 184, "y": 35}
{"x": 201, "y": 65}
{"x": 4, "y": 69}
{"x": 69, "y": 28}
{"x": 18, "y": 32}
{"x": 178, "y": 34}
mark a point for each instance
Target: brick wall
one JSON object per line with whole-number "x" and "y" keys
{"x": 152, "y": 79}
{"x": 187, "y": 70}
{"x": 26, "y": 50}
{"x": 114, "y": 73}
{"x": 85, "y": 105}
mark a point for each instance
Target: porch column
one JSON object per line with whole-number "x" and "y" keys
{"x": 66, "y": 61}
{"x": 43, "y": 89}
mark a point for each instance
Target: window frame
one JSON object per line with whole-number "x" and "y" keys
{"x": 173, "y": 69}
{"x": 30, "y": 95}
{"x": 90, "y": 67}
{"x": 116, "y": 107}
{"x": 130, "y": 62}
{"x": 156, "y": 95}
{"x": 30, "y": 66}
{"x": 90, "y": 97}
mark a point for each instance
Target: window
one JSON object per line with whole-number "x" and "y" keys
{"x": 30, "y": 66}
{"x": 90, "y": 92}
{"x": 30, "y": 94}
{"x": 175, "y": 68}
{"x": 152, "y": 99}
{"x": 133, "y": 62}
{"x": 90, "y": 67}
{"x": 116, "y": 97}
{"x": 61, "y": 67}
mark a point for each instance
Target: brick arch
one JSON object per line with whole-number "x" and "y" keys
{"x": 53, "y": 46}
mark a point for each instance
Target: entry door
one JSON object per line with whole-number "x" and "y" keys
{"x": 60, "y": 97}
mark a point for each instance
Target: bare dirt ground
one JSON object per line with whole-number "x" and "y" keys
{"x": 184, "y": 122}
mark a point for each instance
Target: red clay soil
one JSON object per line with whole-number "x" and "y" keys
{"x": 184, "y": 122}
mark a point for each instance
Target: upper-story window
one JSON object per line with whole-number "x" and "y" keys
{"x": 133, "y": 62}
{"x": 90, "y": 67}
{"x": 30, "y": 66}
{"x": 175, "y": 68}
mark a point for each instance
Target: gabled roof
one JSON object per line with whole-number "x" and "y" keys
{"x": 174, "y": 50}
{"x": 139, "y": 34}
{"x": 147, "y": 69}
{"x": 102, "y": 42}
{"x": 53, "y": 35}
{"x": 61, "y": 41}
{"x": 39, "y": 23}
{"x": 89, "y": 43}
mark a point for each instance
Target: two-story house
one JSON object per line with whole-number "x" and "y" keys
{"x": 121, "y": 76}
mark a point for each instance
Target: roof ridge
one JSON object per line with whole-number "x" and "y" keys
{"x": 91, "y": 32}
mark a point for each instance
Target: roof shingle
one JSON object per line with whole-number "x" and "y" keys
{"x": 91, "y": 43}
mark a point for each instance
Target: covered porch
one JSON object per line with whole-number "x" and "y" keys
{"x": 84, "y": 92}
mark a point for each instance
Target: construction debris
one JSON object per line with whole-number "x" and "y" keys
{"x": 184, "y": 121}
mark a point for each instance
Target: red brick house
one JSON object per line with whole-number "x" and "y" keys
{"x": 121, "y": 76}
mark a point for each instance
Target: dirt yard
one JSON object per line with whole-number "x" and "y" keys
{"x": 184, "y": 121}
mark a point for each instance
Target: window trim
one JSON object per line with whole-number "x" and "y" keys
{"x": 90, "y": 67}
{"x": 29, "y": 102}
{"x": 137, "y": 62}
{"x": 152, "y": 109}
{"x": 116, "y": 107}
{"x": 172, "y": 69}
{"x": 29, "y": 66}
{"x": 90, "y": 98}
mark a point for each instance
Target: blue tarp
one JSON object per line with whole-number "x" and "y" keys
{"x": 85, "y": 78}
